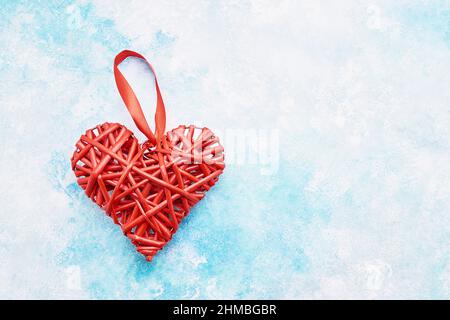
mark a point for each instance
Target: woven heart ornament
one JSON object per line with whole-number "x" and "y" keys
{"x": 148, "y": 188}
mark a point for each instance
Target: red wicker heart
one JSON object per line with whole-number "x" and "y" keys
{"x": 147, "y": 189}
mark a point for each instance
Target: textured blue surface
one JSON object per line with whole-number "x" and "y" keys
{"x": 356, "y": 202}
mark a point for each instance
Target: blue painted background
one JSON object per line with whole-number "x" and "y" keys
{"x": 358, "y": 93}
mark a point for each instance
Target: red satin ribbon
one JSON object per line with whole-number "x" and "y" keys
{"x": 132, "y": 103}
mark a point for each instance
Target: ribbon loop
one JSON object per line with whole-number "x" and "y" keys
{"x": 132, "y": 103}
